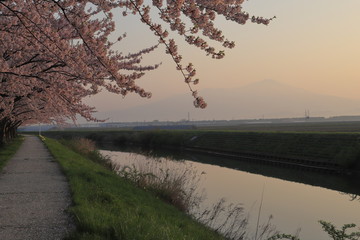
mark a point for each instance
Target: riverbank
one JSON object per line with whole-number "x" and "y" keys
{"x": 334, "y": 152}
{"x": 106, "y": 206}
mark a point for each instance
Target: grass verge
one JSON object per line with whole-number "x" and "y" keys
{"x": 106, "y": 206}
{"x": 8, "y": 150}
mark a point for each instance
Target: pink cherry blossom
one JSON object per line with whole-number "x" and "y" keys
{"x": 54, "y": 53}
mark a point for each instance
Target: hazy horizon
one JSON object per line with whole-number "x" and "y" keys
{"x": 263, "y": 99}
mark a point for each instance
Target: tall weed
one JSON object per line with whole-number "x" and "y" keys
{"x": 87, "y": 148}
{"x": 172, "y": 182}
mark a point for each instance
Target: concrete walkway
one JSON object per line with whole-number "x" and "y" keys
{"x": 33, "y": 195}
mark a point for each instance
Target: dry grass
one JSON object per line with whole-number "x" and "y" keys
{"x": 83, "y": 145}
{"x": 87, "y": 148}
{"x": 174, "y": 182}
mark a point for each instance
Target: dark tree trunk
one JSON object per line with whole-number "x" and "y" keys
{"x": 7, "y": 130}
{"x": 2, "y": 131}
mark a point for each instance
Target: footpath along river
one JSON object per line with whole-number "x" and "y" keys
{"x": 293, "y": 205}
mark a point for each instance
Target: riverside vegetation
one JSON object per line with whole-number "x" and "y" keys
{"x": 107, "y": 206}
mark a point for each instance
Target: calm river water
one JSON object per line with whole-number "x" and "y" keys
{"x": 290, "y": 196}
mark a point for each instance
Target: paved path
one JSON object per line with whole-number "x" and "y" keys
{"x": 33, "y": 195}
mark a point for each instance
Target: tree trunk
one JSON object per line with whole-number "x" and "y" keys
{"x": 7, "y": 130}
{"x": 1, "y": 133}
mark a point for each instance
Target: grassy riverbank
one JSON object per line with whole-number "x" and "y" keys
{"x": 8, "y": 150}
{"x": 340, "y": 149}
{"x": 106, "y": 206}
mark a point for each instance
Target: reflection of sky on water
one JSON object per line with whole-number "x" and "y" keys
{"x": 293, "y": 205}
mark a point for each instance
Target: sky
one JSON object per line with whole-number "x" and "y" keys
{"x": 313, "y": 45}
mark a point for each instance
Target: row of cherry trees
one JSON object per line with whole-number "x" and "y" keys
{"x": 53, "y": 53}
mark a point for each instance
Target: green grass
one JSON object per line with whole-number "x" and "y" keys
{"x": 106, "y": 206}
{"x": 8, "y": 150}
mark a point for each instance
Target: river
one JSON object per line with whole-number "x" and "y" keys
{"x": 297, "y": 200}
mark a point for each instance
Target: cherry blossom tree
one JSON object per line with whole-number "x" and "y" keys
{"x": 53, "y": 53}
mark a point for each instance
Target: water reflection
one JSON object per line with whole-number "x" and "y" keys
{"x": 292, "y": 203}
{"x": 342, "y": 183}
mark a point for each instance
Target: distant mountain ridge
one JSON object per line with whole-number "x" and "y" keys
{"x": 263, "y": 99}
